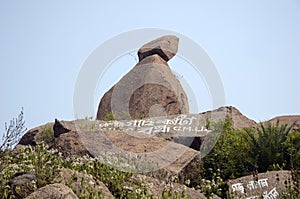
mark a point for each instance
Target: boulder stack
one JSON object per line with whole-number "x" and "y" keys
{"x": 150, "y": 89}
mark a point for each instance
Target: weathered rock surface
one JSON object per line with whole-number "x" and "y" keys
{"x": 271, "y": 184}
{"x": 41, "y": 133}
{"x": 61, "y": 135}
{"x": 166, "y": 47}
{"x": 149, "y": 89}
{"x": 58, "y": 191}
{"x": 70, "y": 144}
{"x": 61, "y": 127}
{"x": 141, "y": 153}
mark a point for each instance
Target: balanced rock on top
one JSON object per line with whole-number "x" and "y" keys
{"x": 166, "y": 47}
{"x": 150, "y": 89}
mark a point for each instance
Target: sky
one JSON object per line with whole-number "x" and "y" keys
{"x": 254, "y": 45}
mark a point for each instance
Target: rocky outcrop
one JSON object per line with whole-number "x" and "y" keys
{"x": 64, "y": 136}
{"x": 58, "y": 191}
{"x": 43, "y": 133}
{"x": 82, "y": 141}
{"x": 287, "y": 119}
{"x": 150, "y": 89}
{"x": 141, "y": 153}
{"x": 61, "y": 135}
{"x": 61, "y": 127}
{"x": 239, "y": 120}
{"x": 83, "y": 137}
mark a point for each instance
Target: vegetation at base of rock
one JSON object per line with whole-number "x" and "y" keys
{"x": 46, "y": 164}
{"x": 244, "y": 152}
{"x": 37, "y": 160}
{"x": 110, "y": 116}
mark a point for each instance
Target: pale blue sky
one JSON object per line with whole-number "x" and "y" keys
{"x": 255, "y": 46}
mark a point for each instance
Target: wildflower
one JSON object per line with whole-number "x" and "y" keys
{"x": 187, "y": 182}
{"x": 138, "y": 190}
{"x": 171, "y": 185}
{"x": 151, "y": 185}
{"x": 91, "y": 182}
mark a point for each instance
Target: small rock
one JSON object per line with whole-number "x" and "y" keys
{"x": 57, "y": 191}
{"x": 22, "y": 184}
{"x": 61, "y": 127}
{"x": 76, "y": 180}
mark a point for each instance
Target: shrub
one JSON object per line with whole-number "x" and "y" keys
{"x": 224, "y": 155}
{"x": 13, "y": 132}
{"x": 37, "y": 160}
{"x": 267, "y": 148}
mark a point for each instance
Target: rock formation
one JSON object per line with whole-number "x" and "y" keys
{"x": 73, "y": 138}
{"x": 287, "y": 119}
{"x": 71, "y": 141}
{"x": 150, "y": 88}
{"x": 239, "y": 121}
{"x": 43, "y": 133}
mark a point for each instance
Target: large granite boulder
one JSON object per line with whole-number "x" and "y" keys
{"x": 150, "y": 89}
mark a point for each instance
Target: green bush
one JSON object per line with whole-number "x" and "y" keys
{"x": 228, "y": 154}
{"x": 267, "y": 148}
{"x": 292, "y": 146}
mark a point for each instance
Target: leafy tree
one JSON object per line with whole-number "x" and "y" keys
{"x": 292, "y": 145}
{"x": 13, "y": 132}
